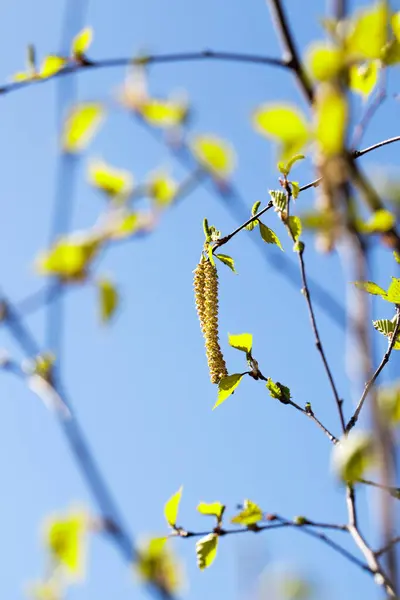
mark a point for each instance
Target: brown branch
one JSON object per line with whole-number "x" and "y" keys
{"x": 378, "y": 371}
{"x": 227, "y": 238}
{"x": 292, "y": 59}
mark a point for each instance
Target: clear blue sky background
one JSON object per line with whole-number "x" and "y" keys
{"x": 140, "y": 387}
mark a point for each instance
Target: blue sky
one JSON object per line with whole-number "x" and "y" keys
{"x": 140, "y": 386}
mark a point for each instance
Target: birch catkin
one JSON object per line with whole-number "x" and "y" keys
{"x": 206, "y": 296}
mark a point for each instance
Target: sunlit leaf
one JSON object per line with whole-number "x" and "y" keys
{"x": 389, "y": 402}
{"x": 381, "y": 220}
{"x": 214, "y": 154}
{"x": 278, "y": 391}
{"x": 285, "y": 168}
{"x": 384, "y": 326}
{"x": 324, "y": 61}
{"x": 69, "y": 258}
{"x": 370, "y": 287}
{"x": 227, "y": 386}
{"x": 124, "y": 224}
{"x": 114, "y": 182}
{"x": 353, "y": 455}
{"x": 206, "y": 550}
{"x": 163, "y": 113}
{"x": 82, "y": 42}
{"x": 255, "y": 208}
{"x": 214, "y": 509}
{"x": 241, "y": 341}
{"x": 284, "y": 124}
{"x": 22, "y": 76}
{"x": 269, "y": 236}
{"x": 294, "y": 224}
{"x": 363, "y": 78}
{"x": 331, "y": 120}
{"x": 368, "y": 32}
{"x": 227, "y": 260}
{"x": 250, "y": 515}
{"x": 108, "y": 299}
{"x": 51, "y": 65}
{"x": 395, "y": 23}
{"x": 171, "y": 508}
{"x": 80, "y": 126}
{"x": 158, "y": 565}
{"x": 396, "y": 255}
{"x": 65, "y": 539}
{"x": 162, "y": 188}
{"x": 279, "y": 199}
{"x": 391, "y": 53}
{"x": 318, "y": 220}
{"x": 295, "y": 189}
{"x": 393, "y": 293}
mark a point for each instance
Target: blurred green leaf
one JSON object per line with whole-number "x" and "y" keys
{"x": 214, "y": 154}
{"x": 331, "y": 120}
{"x": 65, "y": 538}
{"x": 389, "y": 402}
{"x": 51, "y": 65}
{"x": 353, "y": 455}
{"x": 108, "y": 299}
{"x": 162, "y": 188}
{"x": 114, "y": 182}
{"x": 250, "y": 515}
{"x": 363, "y": 78}
{"x": 381, "y": 221}
{"x": 158, "y": 565}
{"x": 295, "y": 227}
{"x": 163, "y": 113}
{"x": 206, "y": 550}
{"x": 368, "y": 32}
{"x": 81, "y": 43}
{"x": 69, "y": 257}
{"x": 393, "y": 293}
{"x": 284, "y": 124}
{"x": 80, "y": 126}
{"x": 324, "y": 61}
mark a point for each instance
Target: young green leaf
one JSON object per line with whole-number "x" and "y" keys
{"x": 158, "y": 565}
{"x": 278, "y": 391}
{"x": 353, "y": 455}
{"x": 331, "y": 120}
{"x": 206, "y": 550}
{"x": 325, "y": 61}
{"x": 227, "y": 260}
{"x": 255, "y": 208}
{"x": 227, "y": 386}
{"x": 81, "y": 43}
{"x": 114, "y": 182}
{"x": 395, "y": 23}
{"x": 368, "y": 32}
{"x": 81, "y": 125}
{"x": 384, "y": 326}
{"x": 241, "y": 341}
{"x": 124, "y": 224}
{"x": 215, "y": 155}
{"x": 250, "y": 515}
{"x": 284, "y": 124}
{"x": 108, "y": 299}
{"x": 162, "y": 188}
{"x": 363, "y": 78}
{"x": 285, "y": 168}
{"x": 269, "y": 236}
{"x": 51, "y": 65}
{"x": 65, "y": 538}
{"x": 396, "y": 256}
{"x": 294, "y": 223}
{"x": 370, "y": 287}
{"x": 381, "y": 221}
{"x": 211, "y": 255}
{"x": 215, "y": 509}
{"x": 393, "y": 293}
{"x": 69, "y": 258}
{"x": 279, "y": 199}
{"x": 295, "y": 189}
{"x": 163, "y": 113}
{"x": 389, "y": 403}
{"x": 171, "y": 508}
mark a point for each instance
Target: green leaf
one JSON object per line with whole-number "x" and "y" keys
{"x": 206, "y": 550}
{"x": 389, "y": 403}
{"x": 241, "y": 341}
{"x": 65, "y": 539}
{"x": 295, "y": 227}
{"x": 325, "y": 61}
{"x": 255, "y": 208}
{"x": 51, "y": 65}
{"x": 227, "y": 386}
{"x": 286, "y": 168}
{"x": 269, "y": 236}
{"x": 368, "y": 32}
{"x": 214, "y": 509}
{"x": 393, "y": 293}
{"x": 108, "y": 299}
{"x": 69, "y": 258}
{"x": 370, "y": 287}
{"x": 353, "y": 455}
{"x": 162, "y": 188}
{"x": 250, "y": 515}
{"x": 381, "y": 221}
{"x": 331, "y": 120}
{"x": 278, "y": 391}
{"x": 284, "y": 124}
{"x": 214, "y": 154}
{"x": 227, "y": 260}
{"x": 318, "y": 220}
{"x": 279, "y": 199}
{"x": 252, "y": 225}
{"x": 211, "y": 255}
{"x": 395, "y": 23}
{"x": 163, "y": 113}
{"x": 46, "y": 590}
{"x": 391, "y": 53}
{"x": 81, "y": 125}
{"x": 171, "y": 508}
{"x": 81, "y": 43}
{"x": 396, "y": 255}
{"x": 114, "y": 182}
{"x": 295, "y": 189}
{"x": 158, "y": 565}
{"x": 363, "y": 78}
{"x": 384, "y": 326}
{"x": 124, "y": 224}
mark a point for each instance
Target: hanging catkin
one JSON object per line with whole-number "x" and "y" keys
{"x": 206, "y": 295}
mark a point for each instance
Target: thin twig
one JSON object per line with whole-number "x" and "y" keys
{"x": 378, "y": 100}
{"x": 388, "y": 547}
{"x": 378, "y": 371}
{"x": 227, "y": 238}
{"x": 393, "y": 491}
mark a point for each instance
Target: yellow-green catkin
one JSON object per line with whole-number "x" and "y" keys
{"x": 206, "y": 294}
